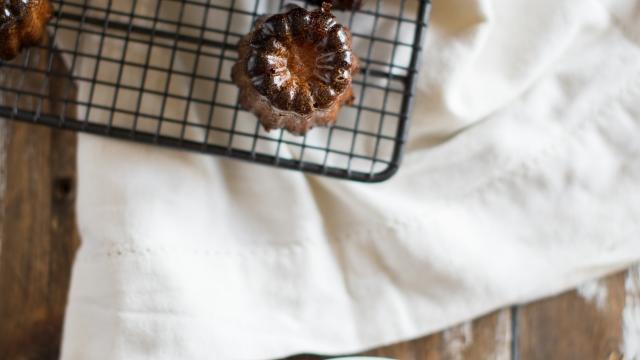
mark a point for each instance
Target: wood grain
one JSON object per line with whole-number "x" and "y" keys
{"x": 574, "y": 326}
{"x": 488, "y": 337}
{"x": 37, "y": 222}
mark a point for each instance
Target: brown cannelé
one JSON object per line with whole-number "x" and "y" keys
{"x": 295, "y": 69}
{"x": 22, "y": 24}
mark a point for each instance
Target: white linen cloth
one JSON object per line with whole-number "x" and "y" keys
{"x": 522, "y": 179}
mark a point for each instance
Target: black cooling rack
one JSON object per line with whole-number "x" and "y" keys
{"x": 158, "y": 72}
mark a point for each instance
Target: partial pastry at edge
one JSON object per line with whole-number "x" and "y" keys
{"x": 22, "y": 24}
{"x": 295, "y": 69}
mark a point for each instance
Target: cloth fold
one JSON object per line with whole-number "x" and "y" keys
{"x": 521, "y": 180}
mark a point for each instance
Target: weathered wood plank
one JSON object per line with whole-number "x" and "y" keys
{"x": 582, "y": 324}
{"x": 630, "y": 345}
{"x": 64, "y": 235}
{"x": 488, "y": 337}
{"x": 37, "y": 223}
{"x": 24, "y": 266}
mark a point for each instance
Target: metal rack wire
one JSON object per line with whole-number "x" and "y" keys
{"x": 158, "y": 72}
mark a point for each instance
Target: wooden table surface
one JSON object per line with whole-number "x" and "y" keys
{"x": 38, "y": 239}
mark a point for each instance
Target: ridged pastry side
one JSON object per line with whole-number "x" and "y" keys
{"x": 295, "y": 69}
{"x": 22, "y": 24}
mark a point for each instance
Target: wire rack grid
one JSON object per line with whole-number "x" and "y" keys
{"x": 158, "y": 72}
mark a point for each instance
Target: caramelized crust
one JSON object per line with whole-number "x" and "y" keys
{"x": 22, "y": 23}
{"x": 294, "y": 69}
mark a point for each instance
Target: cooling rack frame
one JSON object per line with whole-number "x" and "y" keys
{"x": 84, "y": 18}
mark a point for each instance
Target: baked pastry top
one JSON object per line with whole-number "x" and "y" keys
{"x": 22, "y": 23}
{"x": 295, "y": 69}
